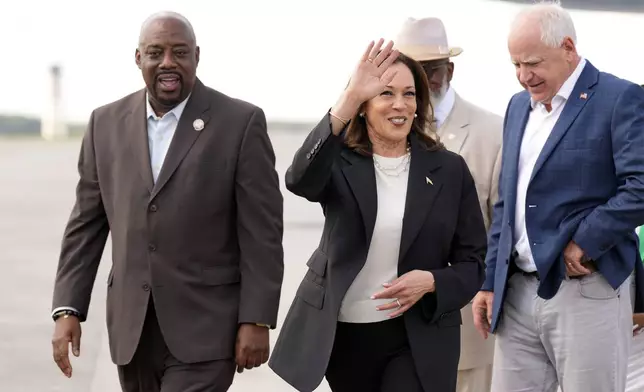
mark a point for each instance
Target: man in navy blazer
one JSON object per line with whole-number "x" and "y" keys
{"x": 562, "y": 250}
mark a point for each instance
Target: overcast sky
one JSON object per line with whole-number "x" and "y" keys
{"x": 290, "y": 61}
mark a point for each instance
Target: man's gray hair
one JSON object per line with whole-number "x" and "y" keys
{"x": 555, "y": 22}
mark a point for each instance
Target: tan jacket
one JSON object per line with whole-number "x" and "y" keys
{"x": 477, "y": 135}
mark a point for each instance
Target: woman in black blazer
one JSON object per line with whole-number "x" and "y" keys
{"x": 402, "y": 247}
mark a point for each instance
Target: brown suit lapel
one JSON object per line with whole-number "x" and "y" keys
{"x": 454, "y": 130}
{"x": 184, "y": 136}
{"x": 197, "y": 107}
{"x": 136, "y": 126}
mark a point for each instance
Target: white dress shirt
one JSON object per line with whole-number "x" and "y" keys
{"x": 444, "y": 107}
{"x": 160, "y": 133}
{"x": 537, "y": 130}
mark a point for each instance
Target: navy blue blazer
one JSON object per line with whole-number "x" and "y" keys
{"x": 587, "y": 186}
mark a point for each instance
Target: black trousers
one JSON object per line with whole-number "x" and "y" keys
{"x": 155, "y": 369}
{"x": 372, "y": 357}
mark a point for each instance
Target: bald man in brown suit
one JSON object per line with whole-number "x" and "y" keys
{"x": 183, "y": 178}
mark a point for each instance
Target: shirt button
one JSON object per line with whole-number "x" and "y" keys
{"x": 152, "y": 248}
{"x": 153, "y": 208}
{"x": 146, "y": 287}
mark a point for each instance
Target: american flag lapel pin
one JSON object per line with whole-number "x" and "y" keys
{"x": 583, "y": 96}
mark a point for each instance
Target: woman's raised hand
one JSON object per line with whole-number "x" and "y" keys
{"x": 370, "y": 78}
{"x": 373, "y": 73}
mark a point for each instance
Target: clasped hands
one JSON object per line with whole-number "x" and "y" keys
{"x": 405, "y": 291}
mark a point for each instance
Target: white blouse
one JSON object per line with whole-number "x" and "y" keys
{"x": 382, "y": 258}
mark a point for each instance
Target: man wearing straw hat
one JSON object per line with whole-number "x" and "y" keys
{"x": 474, "y": 133}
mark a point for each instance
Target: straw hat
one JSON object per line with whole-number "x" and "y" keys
{"x": 424, "y": 40}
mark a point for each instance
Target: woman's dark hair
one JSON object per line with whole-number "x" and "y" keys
{"x": 422, "y": 126}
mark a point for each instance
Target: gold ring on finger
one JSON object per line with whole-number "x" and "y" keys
{"x": 370, "y": 60}
{"x": 398, "y": 302}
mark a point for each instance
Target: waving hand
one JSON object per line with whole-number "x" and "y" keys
{"x": 372, "y": 74}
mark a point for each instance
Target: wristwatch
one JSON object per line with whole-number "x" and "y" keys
{"x": 65, "y": 314}
{"x": 263, "y": 325}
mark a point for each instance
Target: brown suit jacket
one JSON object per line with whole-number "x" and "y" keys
{"x": 205, "y": 241}
{"x": 477, "y": 136}
{"x": 442, "y": 225}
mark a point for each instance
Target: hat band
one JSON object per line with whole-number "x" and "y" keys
{"x": 429, "y": 49}
{"x": 428, "y": 52}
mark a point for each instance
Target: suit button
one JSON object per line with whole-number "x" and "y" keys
{"x": 153, "y": 208}
{"x": 308, "y": 155}
{"x": 152, "y": 247}
{"x": 146, "y": 287}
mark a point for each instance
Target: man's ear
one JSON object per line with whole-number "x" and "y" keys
{"x": 197, "y": 53}
{"x": 450, "y": 71}
{"x": 137, "y": 57}
{"x": 569, "y": 46}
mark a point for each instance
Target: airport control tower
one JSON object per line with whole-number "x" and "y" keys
{"x": 53, "y": 124}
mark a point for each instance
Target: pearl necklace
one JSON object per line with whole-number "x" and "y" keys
{"x": 397, "y": 170}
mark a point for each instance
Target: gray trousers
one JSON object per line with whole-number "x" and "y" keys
{"x": 635, "y": 379}
{"x": 578, "y": 340}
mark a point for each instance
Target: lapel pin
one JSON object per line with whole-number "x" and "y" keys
{"x": 429, "y": 181}
{"x": 583, "y": 96}
{"x": 198, "y": 124}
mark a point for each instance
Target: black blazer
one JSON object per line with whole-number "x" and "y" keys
{"x": 443, "y": 232}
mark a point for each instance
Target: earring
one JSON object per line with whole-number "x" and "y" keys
{"x": 415, "y": 114}
{"x": 361, "y": 114}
